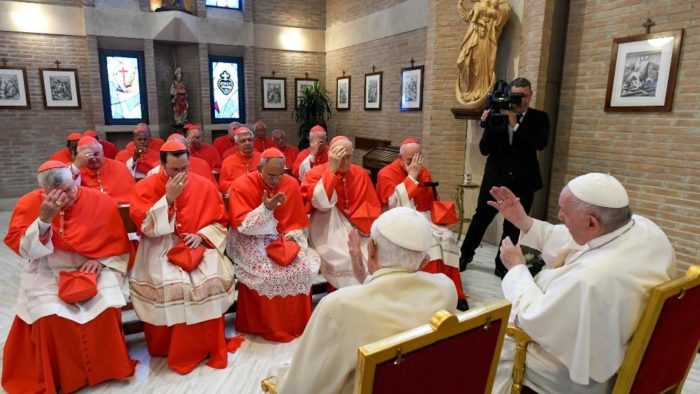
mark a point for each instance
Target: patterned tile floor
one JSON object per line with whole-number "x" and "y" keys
{"x": 256, "y": 359}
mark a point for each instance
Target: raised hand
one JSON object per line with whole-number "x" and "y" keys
{"x": 174, "y": 186}
{"x": 192, "y": 240}
{"x": 316, "y": 144}
{"x": 335, "y": 156}
{"x": 271, "y": 203}
{"x": 511, "y": 255}
{"x": 52, "y": 204}
{"x": 415, "y": 166}
{"x": 83, "y": 157}
{"x": 510, "y": 207}
{"x": 355, "y": 251}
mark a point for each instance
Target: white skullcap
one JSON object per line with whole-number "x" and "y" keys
{"x": 406, "y": 228}
{"x": 601, "y": 190}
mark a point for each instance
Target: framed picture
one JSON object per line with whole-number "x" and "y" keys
{"x": 373, "y": 91}
{"x": 14, "y": 92}
{"x": 412, "y": 88}
{"x": 226, "y": 89}
{"x": 60, "y": 87}
{"x": 342, "y": 95}
{"x": 274, "y": 93}
{"x": 643, "y": 72}
{"x": 230, "y": 4}
{"x": 123, "y": 87}
{"x": 299, "y": 85}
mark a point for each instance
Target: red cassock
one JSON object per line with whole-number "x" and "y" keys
{"x": 290, "y": 155}
{"x": 155, "y": 143}
{"x": 222, "y": 144}
{"x": 54, "y": 351}
{"x": 64, "y": 155}
{"x": 201, "y": 168}
{"x": 113, "y": 179}
{"x": 209, "y": 154}
{"x": 278, "y": 318}
{"x": 236, "y": 165}
{"x": 320, "y": 158}
{"x": 197, "y": 206}
{"x": 109, "y": 149}
{"x": 393, "y": 175}
{"x": 148, "y": 159}
{"x": 260, "y": 144}
{"x": 353, "y": 189}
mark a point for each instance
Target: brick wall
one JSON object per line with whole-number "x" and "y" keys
{"x": 31, "y": 136}
{"x": 73, "y": 3}
{"x": 309, "y": 14}
{"x": 339, "y": 11}
{"x": 388, "y": 55}
{"x": 164, "y": 55}
{"x": 290, "y": 65}
{"x": 655, "y": 155}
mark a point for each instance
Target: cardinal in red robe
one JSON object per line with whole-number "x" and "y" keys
{"x": 261, "y": 141}
{"x": 66, "y": 154}
{"x": 67, "y": 336}
{"x": 290, "y": 152}
{"x": 266, "y": 211}
{"x": 197, "y": 166}
{"x": 226, "y": 142}
{"x": 315, "y": 154}
{"x": 182, "y": 219}
{"x": 200, "y": 149}
{"x": 403, "y": 183}
{"x": 242, "y": 160}
{"x": 109, "y": 149}
{"x": 342, "y": 198}
{"x": 95, "y": 171}
{"x": 140, "y": 157}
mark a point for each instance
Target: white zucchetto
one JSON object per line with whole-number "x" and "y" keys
{"x": 601, "y": 190}
{"x": 406, "y": 228}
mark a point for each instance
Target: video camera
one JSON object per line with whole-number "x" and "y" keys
{"x": 499, "y": 99}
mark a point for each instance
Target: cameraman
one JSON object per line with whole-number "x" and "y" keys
{"x": 511, "y": 148}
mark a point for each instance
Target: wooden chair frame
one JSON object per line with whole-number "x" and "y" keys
{"x": 638, "y": 345}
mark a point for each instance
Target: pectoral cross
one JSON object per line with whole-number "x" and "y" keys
{"x": 123, "y": 72}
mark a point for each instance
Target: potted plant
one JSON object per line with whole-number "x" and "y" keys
{"x": 313, "y": 107}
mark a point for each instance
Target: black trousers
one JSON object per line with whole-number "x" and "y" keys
{"x": 484, "y": 216}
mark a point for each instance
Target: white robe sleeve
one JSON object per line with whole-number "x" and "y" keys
{"x": 30, "y": 247}
{"x": 322, "y": 362}
{"x": 117, "y": 263}
{"x": 259, "y": 221}
{"x": 156, "y": 223}
{"x": 399, "y": 198}
{"x": 320, "y": 199}
{"x": 304, "y": 167}
{"x": 216, "y": 234}
{"x": 551, "y": 240}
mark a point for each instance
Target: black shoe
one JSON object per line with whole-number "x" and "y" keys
{"x": 463, "y": 261}
{"x": 500, "y": 272}
{"x": 462, "y": 305}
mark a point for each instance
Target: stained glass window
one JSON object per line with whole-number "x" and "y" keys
{"x": 226, "y": 84}
{"x": 123, "y": 87}
{"x": 234, "y": 4}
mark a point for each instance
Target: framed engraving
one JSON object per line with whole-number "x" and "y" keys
{"x": 14, "y": 92}
{"x": 342, "y": 95}
{"x": 274, "y": 93}
{"x": 60, "y": 87}
{"x": 412, "y": 88}
{"x": 373, "y": 91}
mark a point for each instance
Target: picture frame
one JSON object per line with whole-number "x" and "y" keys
{"x": 299, "y": 85}
{"x": 373, "y": 91}
{"x": 274, "y": 93}
{"x": 60, "y": 87}
{"x": 123, "y": 79}
{"x": 411, "y": 89}
{"x": 226, "y": 89}
{"x": 14, "y": 90}
{"x": 643, "y": 70}
{"x": 343, "y": 93}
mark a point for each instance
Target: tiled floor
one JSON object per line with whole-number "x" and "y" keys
{"x": 256, "y": 359}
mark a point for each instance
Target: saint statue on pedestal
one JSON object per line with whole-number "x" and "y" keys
{"x": 477, "y": 58}
{"x": 178, "y": 97}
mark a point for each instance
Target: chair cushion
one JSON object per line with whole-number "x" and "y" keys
{"x": 672, "y": 345}
{"x": 465, "y": 368}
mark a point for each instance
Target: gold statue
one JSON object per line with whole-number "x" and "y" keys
{"x": 477, "y": 58}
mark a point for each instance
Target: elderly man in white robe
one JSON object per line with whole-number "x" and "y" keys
{"x": 583, "y": 308}
{"x": 355, "y": 316}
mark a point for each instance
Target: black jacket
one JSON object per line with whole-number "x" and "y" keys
{"x": 507, "y": 164}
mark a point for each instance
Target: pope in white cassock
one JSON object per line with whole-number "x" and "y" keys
{"x": 394, "y": 298}
{"x": 583, "y": 308}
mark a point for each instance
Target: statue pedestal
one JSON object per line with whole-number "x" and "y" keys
{"x": 464, "y": 113}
